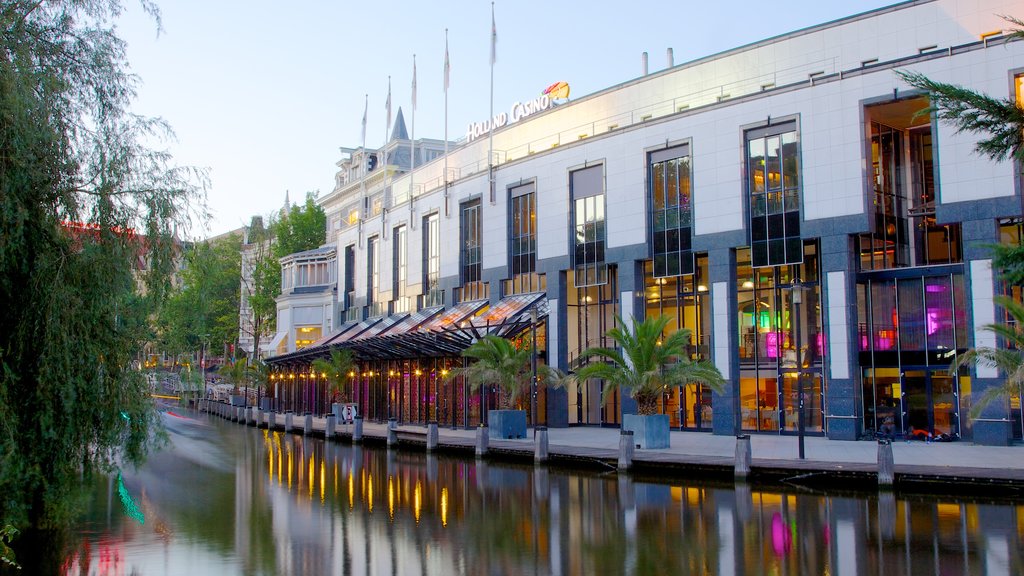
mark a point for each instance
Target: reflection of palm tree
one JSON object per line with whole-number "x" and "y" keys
{"x": 1008, "y": 360}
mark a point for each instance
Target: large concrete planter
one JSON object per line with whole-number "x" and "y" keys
{"x": 649, "y": 432}
{"x": 507, "y": 424}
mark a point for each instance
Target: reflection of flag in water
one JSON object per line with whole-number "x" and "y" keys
{"x": 557, "y": 90}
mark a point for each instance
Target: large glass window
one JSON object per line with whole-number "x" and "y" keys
{"x": 399, "y": 267}
{"x": 523, "y": 240}
{"x": 586, "y": 187}
{"x": 432, "y": 295}
{"x": 471, "y": 252}
{"x": 909, "y": 332}
{"x": 901, "y": 194}
{"x": 373, "y": 275}
{"x": 671, "y": 212}
{"x": 773, "y": 184}
{"x": 590, "y": 313}
{"x": 685, "y": 301}
{"x": 781, "y": 343}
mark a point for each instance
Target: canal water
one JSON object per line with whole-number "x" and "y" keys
{"x": 227, "y": 499}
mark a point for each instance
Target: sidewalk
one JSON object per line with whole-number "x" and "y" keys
{"x": 939, "y": 466}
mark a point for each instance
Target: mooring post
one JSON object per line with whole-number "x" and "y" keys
{"x": 626, "y": 448}
{"x": 742, "y": 469}
{"x": 357, "y": 430}
{"x": 307, "y": 424}
{"x": 540, "y": 444}
{"x": 481, "y": 441}
{"x": 431, "y": 436}
{"x": 392, "y": 433}
{"x": 332, "y": 422}
{"x": 886, "y": 466}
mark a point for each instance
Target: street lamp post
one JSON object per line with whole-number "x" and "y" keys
{"x": 533, "y": 367}
{"x": 797, "y": 301}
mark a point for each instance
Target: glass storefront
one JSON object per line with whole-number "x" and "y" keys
{"x": 781, "y": 344}
{"x": 685, "y": 301}
{"x": 590, "y": 313}
{"x": 910, "y": 330}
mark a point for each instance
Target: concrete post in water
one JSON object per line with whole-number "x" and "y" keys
{"x": 288, "y": 421}
{"x": 431, "y": 436}
{"x": 248, "y": 415}
{"x": 482, "y": 439}
{"x": 307, "y": 424}
{"x": 886, "y": 466}
{"x": 742, "y": 469}
{"x": 392, "y": 433}
{"x": 540, "y": 445}
{"x": 239, "y": 414}
{"x": 626, "y": 448}
{"x": 332, "y": 422}
{"x": 357, "y": 430}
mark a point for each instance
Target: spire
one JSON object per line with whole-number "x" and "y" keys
{"x": 399, "y": 132}
{"x": 287, "y": 205}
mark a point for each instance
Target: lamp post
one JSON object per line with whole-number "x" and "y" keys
{"x": 798, "y": 290}
{"x": 533, "y": 369}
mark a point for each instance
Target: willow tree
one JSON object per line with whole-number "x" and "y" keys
{"x": 87, "y": 212}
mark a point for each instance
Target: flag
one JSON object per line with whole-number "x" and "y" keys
{"x": 366, "y": 106}
{"x": 387, "y": 106}
{"x": 494, "y": 37}
{"x": 413, "y": 81}
{"x": 447, "y": 63}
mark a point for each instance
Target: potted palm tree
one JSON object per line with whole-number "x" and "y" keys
{"x": 336, "y": 368}
{"x": 644, "y": 364}
{"x": 498, "y": 361}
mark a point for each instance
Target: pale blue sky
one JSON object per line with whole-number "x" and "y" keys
{"x": 263, "y": 93}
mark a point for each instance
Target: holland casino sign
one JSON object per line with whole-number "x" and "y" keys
{"x": 520, "y": 110}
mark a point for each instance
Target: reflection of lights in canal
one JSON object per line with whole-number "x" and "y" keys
{"x": 417, "y": 501}
{"x": 391, "y": 498}
{"x": 444, "y": 507}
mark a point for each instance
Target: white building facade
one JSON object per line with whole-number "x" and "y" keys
{"x": 791, "y": 202}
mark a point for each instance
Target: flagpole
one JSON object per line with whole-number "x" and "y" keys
{"x": 490, "y": 138}
{"x": 362, "y": 179}
{"x": 447, "y": 73}
{"x": 412, "y": 141}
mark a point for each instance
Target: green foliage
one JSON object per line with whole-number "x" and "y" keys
{"x": 499, "y": 362}
{"x": 264, "y": 285}
{"x": 1009, "y": 360}
{"x": 337, "y": 369}
{"x": 646, "y": 363}
{"x": 304, "y": 228}
{"x": 7, "y": 534}
{"x": 203, "y": 312}
{"x": 78, "y": 185}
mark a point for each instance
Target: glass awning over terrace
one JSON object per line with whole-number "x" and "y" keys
{"x": 429, "y": 333}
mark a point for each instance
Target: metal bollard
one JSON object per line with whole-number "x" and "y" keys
{"x": 357, "y": 430}
{"x": 886, "y": 466}
{"x": 431, "y": 436}
{"x": 540, "y": 445}
{"x": 392, "y": 433}
{"x": 332, "y": 423}
{"x": 482, "y": 439}
{"x": 307, "y": 424}
{"x": 626, "y": 448}
{"x": 742, "y": 469}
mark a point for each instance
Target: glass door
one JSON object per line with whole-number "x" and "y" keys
{"x": 929, "y": 403}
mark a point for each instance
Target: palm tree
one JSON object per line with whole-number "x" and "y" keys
{"x": 498, "y": 361}
{"x": 1008, "y": 360}
{"x": 646, "y": 363}
{"x": 337, "y": 369}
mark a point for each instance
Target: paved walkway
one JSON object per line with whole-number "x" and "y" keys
{"x": 938, "y": 461}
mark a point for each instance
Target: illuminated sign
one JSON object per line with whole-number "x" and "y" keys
{"x": 519, "y": 111}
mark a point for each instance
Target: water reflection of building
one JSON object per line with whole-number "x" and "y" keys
{"x": 794, "y": 213}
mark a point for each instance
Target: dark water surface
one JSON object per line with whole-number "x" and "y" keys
{"x": 227, "y": 499}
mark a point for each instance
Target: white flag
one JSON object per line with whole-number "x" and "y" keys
{"x": 413, "y": 81}
{"x": 387, "y": 106}
{"x": 494, "y": 37}
{"x": 447, "y": 64}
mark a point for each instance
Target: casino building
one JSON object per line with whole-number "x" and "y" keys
{"x": 791, "y": 202}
